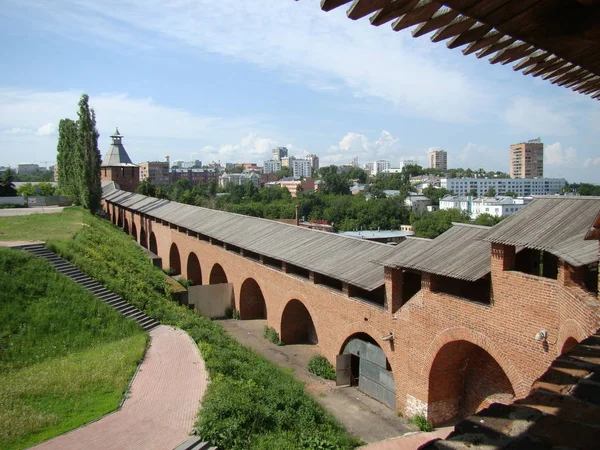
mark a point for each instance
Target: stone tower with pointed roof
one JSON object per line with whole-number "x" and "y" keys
{"x": 117, "y": 166}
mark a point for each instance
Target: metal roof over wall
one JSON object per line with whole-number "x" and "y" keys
{"x": 457, "y": 253}
{"x": 343, "y": 258}
{"x": 558, "y": 40}
{"x": 554, "y": 224}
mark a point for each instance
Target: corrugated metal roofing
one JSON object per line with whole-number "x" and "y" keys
{"x": 554, "y": 224}
{"x": 343, "y": 258}
{"x": 457, "y": 253}
{"x": 594, "y": 231}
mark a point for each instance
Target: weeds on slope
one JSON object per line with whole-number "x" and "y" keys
{"x": 250, "y": 403}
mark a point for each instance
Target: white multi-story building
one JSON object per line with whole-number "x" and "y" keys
{"x": 496, "y": 206}
{"x": 523, "y": 187}
{"x": 301, "y": 168}
{"x": 407, "y": 162}
{"x": 380, "y": 166}
{"x": 239, "y": 179}
{"x": 24, "y": 169}
{"x": 272, "y": 166}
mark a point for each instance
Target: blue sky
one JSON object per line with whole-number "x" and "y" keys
{"x": 229, "y": 80}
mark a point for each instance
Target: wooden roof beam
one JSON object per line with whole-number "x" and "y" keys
{"x": 563, "y": 79}
{"x": 491, "y": 38}
{"x": 562, "y": 70}
{"x": 328, "y": 5}
{"x": 362, "y": 8}
{"x": 439, "y": 20}
{"x": 471, "y": 35}
{"x": 547, "y": 66}
{"x": 422, "y": 13}
{"x": 512, "y": 53}
{"x": 537, "y": 57}
{"x": 392, "y": 11}
{"x": 588, "y": 87}
{"x": 459, "y": 25}
{"x": 495, "y": 47}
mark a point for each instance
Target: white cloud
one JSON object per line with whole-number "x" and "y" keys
{"x": 591, "y": 162}
{"x": 251, "y": 148}
{"x": 555, "y": 155}
{"x": 324, "y": 51}
{"x": 15, "y": 131}
{"x": 534, "y": 117}
{"x": 352, "y": 145}
{"x": 46, "y": 130}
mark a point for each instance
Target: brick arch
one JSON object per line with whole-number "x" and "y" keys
{"x": 570, "y": 331}
{"x": 194, "y": 270}
{"x": 465, "y": 373}
{"x": 217, "y": 275}
{"x": 174, "y": 259}
{"x": 153, "y": 245}
{"x": 126, "y": 225}
{"x": 297, "y": 325}
{"x": 252, "y": 301}
{"x": 143, "y": 237}
{"x": 134, "y": 232}
{"x": 362, "y": 327}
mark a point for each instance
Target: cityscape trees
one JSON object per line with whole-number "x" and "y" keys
{"x": 7, "y": 187}
{"x": 79, "y": 158}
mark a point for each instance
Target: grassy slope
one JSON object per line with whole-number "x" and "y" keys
{"x": 41, "y": 227}
{"x": 65, "y": 358}
{"x": 250, "y": 402}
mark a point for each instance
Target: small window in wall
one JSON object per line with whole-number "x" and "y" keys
{"x": 536, "y": 262}
{"x": 217, "y": 242}
{"x": 272, "y": 262}
{"x": 328, "y": 281}
{"x": 591, "y": 278}
{"x": 376, "y": 296}
{"x": 233, "y": 249}
{"x": 299, "y": 271}
{"x": 203, "y": 237}
{"x": 251, "y": 255}
{"x": 477, "y": 291}
{"x": 411, "y": 284}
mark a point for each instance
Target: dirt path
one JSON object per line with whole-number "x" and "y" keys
{"x": 162, "y": 405}
{"x": 362, "y": 416}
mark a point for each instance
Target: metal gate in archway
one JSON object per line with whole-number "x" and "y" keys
{"x": 363, "y": 364}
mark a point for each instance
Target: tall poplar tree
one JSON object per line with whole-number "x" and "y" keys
{"x": 88, "y": 156}
{"x": 66, "y": 160}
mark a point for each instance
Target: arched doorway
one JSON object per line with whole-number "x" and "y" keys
{"x": 217, "y": 275}
{"x": 194, "y": 272}
{"x": 363, "y": 364}
{"x": 252, "y": 301}
{"x": 153, "y": 246}
{"x": 174, "y": 259}
{"x": 297, "y": 326}
{"x": 463, "y": 379}
{"x": 126, "y": 226}
{"x": 569, "y": 345}
{"x": 134, "y": 231}
{"x": 143, "y": 238}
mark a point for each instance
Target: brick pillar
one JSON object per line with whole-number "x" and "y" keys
{"x": 571, "y": 276}
{"x": 426, "y": 282}
{"x": 315, "y": 277}
{"x": 284, "y": 267}
{"x": 346, "y": 289}
{"x": 503, "y": 257}
{"x": 393, "y": 289}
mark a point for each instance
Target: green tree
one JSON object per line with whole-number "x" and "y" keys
{"x": 472, "y": 192}
{"x": 432, "y": 224}
{"x": 491, "y": 192}
{"x": 488, "y": 220}
{"x": 88, "y": 157}
{"x": 146, "y": 188}
{"x": 284, "y": 172}
{"x": 30, "y": 190}
{"x": 435, "y": 194}
{"x": 511, "y": 194}
{"x": 7, "y": 187}
{"x": 66, "y": 160}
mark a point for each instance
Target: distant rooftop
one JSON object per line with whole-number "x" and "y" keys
{"x": 116, "y": 155}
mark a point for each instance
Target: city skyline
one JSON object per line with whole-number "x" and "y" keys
{"x": 229, "y": 84}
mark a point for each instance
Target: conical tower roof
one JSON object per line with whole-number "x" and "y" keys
{"x": 116, "y": 155}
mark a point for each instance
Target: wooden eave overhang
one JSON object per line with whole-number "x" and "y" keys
{"x": 558, "y": 40}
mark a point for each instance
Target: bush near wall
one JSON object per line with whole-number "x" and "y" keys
{"x": 250, "y": 402}
{"x": 321, "y": 367}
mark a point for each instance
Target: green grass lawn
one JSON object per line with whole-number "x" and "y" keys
{"x": 250, "y": 403}
{"x": 42, "y": 227}
{"x": 65, "y": 357}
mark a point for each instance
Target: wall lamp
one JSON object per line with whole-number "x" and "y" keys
{"x": 541, "y": 336}
{"x": 388, "y": 337}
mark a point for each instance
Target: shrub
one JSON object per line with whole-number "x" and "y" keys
{"x": 271, "y": 335}
{"x": 421, "y": 422}
{"x": 320, "y": 366}
{"x": 250, "y": 403}
{"x": 185, "y": 282}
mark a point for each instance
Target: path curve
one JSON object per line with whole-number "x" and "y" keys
{"x": 163, "y": 402}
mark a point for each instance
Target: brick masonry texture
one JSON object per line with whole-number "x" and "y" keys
{"x": 440, "y": 341}
{"x": 160, "y": 410}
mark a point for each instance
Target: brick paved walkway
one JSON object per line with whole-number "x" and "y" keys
{"x": 160, "y": 410}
